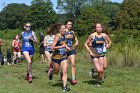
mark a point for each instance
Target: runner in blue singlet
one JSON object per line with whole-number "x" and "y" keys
{"x": 28, "y": 40}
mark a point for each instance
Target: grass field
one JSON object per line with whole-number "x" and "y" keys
{"x": 118, "y": 79}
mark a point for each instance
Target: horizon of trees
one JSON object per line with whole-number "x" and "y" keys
{"x": 84, "y": 14}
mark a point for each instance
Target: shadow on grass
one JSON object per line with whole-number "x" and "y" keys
{"x": 57, "y": 84}
{"x": 94, "y": 76}
{"x": 46, "y": 71}
{"x": 91, "y": 82}
{"x": 22, "y": 77}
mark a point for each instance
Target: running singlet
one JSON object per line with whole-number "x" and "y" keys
{"x": 98, "y": 47}
{"x": 17, "y": 44}
{"x": 49, "y": 41}
{"x": 61, "y": 51}
{"x": 69, "y": 35}
{"x": 27, "y": 44}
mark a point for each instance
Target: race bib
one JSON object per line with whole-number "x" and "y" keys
{"x": 27, "y": 44}
{"x": 69, "y": 43}
{"x": 49, "y": 41}
{"x": 62, "y": 51}
{"x": 99, "y": 50}
{"x": 48, "y": 48}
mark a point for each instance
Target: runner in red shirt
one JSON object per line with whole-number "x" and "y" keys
{"x": 16, "y": 44}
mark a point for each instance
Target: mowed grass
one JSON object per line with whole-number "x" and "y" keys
{"x": 118, "y": 79}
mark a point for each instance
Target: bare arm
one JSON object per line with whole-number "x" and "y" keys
{"x": 45, "y": 43}
{"x": 1, "y": 43}
{"x": 54, "y": 43}
{"x": 107, "y": 41}
{"x": 87, "y": 42}
{"x": 57, "y": 47}
{"x": 13, "y": 43}
{"x": 76, "y": 41}
{"x": 34, "y": 38}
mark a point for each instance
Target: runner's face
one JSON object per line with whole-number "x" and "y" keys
{"x": 98, "y": 28}
{"x": 69, "y": 25}
{"x": 62, "y": 29}
{"x": 27, "y": 27}
{"x": 17, "y": 37}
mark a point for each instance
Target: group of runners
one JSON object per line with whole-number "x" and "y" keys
{"x": 59, "y": 46}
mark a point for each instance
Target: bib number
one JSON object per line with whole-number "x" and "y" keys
{"x": 48, "y": 48}
{"x": 62, "y": 51}
{"x": 27, "y": 44}
{"x": 69, "y": 42}
{"x": 49, "y": 41}
{"x": 99, "y": 50}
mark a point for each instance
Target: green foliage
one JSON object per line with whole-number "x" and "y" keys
{"x": 106, "y": 7}
{"x": 13, "y": 16}
{"x": 121, "y": 36}
{"x": 42, "y": 14}
{"x": 87, "y": 19}
{"x": 71, "y": 7}
{"x": 129, "y": 15}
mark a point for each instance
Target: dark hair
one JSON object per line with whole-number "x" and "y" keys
{"x": 68, "y": 21}
{"x": 95, "y": 26}
{"x": 26, "y": 23}
{"x": 53, "y": 29}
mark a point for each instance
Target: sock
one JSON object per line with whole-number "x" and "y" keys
{"x": 73, "y": 78}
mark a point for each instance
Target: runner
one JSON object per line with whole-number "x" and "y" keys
{"x": 41, "y": 48}
{"x": 28, "y": 40}
{"x": 47, "y": 44}
{"x": 16, "y": 44}
{"x": 71, "y": 37}
{"x": 98, "y": 40}
{"x": 59, "y": 57}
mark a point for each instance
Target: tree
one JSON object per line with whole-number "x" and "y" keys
{"x": 71, "y": 7}
{"x": 3, "y": 24}
{"x": 129, "y": 15}
{"x": 87, "y": 19}
{"x": 42, "y": 14}
{"x": 13, "y": 16}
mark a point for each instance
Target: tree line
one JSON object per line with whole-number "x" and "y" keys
{"x": 84, "y": 13}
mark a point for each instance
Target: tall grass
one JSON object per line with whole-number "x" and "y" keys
{"x": 124, "y": 53}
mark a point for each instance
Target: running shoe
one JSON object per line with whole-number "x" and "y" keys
{"x": 66, "y": 89}
{"x": 27, "y": 76}
{"x": 50, "y": 74}
{"x": 74, "y": 82}
{"x": 98, "y": 83}
{"x": 30, "y": 79}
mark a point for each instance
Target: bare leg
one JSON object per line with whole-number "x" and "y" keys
{"x": 64, "y": 66}
{"x": 29, "y": 62}
{"x": 73, "y": 68}
{"x": 48, "y": 57}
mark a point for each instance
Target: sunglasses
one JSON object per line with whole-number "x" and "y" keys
{"x": 28, "y": 26}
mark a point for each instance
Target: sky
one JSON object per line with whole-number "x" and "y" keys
{"x": 4, "y": 3}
